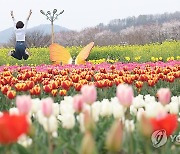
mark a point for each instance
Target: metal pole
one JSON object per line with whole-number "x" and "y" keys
{"x": 52, "y": 17}
{"x": 52, "y": 32}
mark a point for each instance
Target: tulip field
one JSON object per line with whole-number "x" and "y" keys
{"x": 126, "y": 103}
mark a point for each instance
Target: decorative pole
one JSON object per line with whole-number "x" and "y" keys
{"x": 52, "y": 17}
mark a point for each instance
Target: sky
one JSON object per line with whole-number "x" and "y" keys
{"x": 79, "y": 14}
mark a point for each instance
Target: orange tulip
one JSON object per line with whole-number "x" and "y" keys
{"x": 63, "y": 92}
{"x": 36, "y": 90}
{"x": 75, "y": 78}
{"x": 30, "y": 84}
{"x": 151, "y": 83}
{"x": 139, "y": 84}
{"x": 77, "y": 86}
{"x": 54, "y": 92}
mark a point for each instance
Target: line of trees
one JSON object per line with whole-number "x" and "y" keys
{"x": 132, "y": 35}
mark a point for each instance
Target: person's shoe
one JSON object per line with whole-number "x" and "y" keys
{"x": 28, "y": 53}
{"x": 10, "y": 53}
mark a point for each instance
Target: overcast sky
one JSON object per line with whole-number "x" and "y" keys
{"x": 82, "y": 13}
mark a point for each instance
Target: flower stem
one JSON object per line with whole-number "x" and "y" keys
{"x": 50, "y": 144}
{"x": 50, "y": 149}
{"x": 8, "y": 149}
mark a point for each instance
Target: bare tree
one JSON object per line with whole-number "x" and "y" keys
{"x": 33, "y": 39}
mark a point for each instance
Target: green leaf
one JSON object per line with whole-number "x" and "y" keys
{"x": 21, "y": 149}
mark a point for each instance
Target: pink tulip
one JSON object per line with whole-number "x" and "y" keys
{"x": 164, "y": 95}
{"x": 78, "y": 103}
{"x": 47, "y": 106}
{"x": 89, "y": 93}
{"x": 23, "y": 104}
{"x": 125, "y": 94}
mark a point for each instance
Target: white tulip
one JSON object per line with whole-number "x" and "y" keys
{"x": 68, "y": 121}
{"x": 96, "y": 107}
{"x": 138, "y": 102}
{"x": 14, "y": 111}
{"x": 106, "y": 108}
{"x": 66, "y": 107}
{"x": 114, "y": 100}
{"x": 50, "y": 124}
{"x": 140, "y": 96}
{"x": 174, "y": 107}
{"x": 25, "y": 141}
{"x": 36, "y": 103}
{"x": 149, "y": 99}
{"x": 174, "y": 99}
{"x": 55, "y": 134}
{"x": 118, "y": 110}
{"x": 56, "y": 109}
{"x": 129, "y": 125}
{"x": 154, "y": 109}
{"x": 40, "y": 117}
{"x": 80, "y": 118}
{"x": 167, "y": 107}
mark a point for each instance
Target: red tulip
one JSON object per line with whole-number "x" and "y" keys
{"x": 75, "y": 78}
{"x": 47, "y": 88}
{"x": 36, "y": 90}
{"x": 5, "y": 89}
{"x": 11, "y": 94}
{"x": 11, "y": 127}
{"x": 30, "y": 84}
{"x": 66, "y": 84}
{"x": 77, "y": 86}
{"x": 168, "y": 122}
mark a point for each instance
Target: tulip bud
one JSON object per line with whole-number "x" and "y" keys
{"x": 89, "y": 123}
{"x": 50, "y": 124}
{"x": 164, "y": 95}
{"x": 47, "y": 107}
{"x": 78, "y": 103}
{"x": 114, "y": 137}
{"x": 89, "y": 93}
{"x": 23, "y": 104}
{"x": 88, "y": 144}
{"x": 145, "y": 126}
{"x": 125, "y": 94}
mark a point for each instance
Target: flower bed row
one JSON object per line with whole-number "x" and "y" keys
{"x": 80, "y": 124}
{"x": 68, "y": 80}
{"x": 130, "y": 53}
